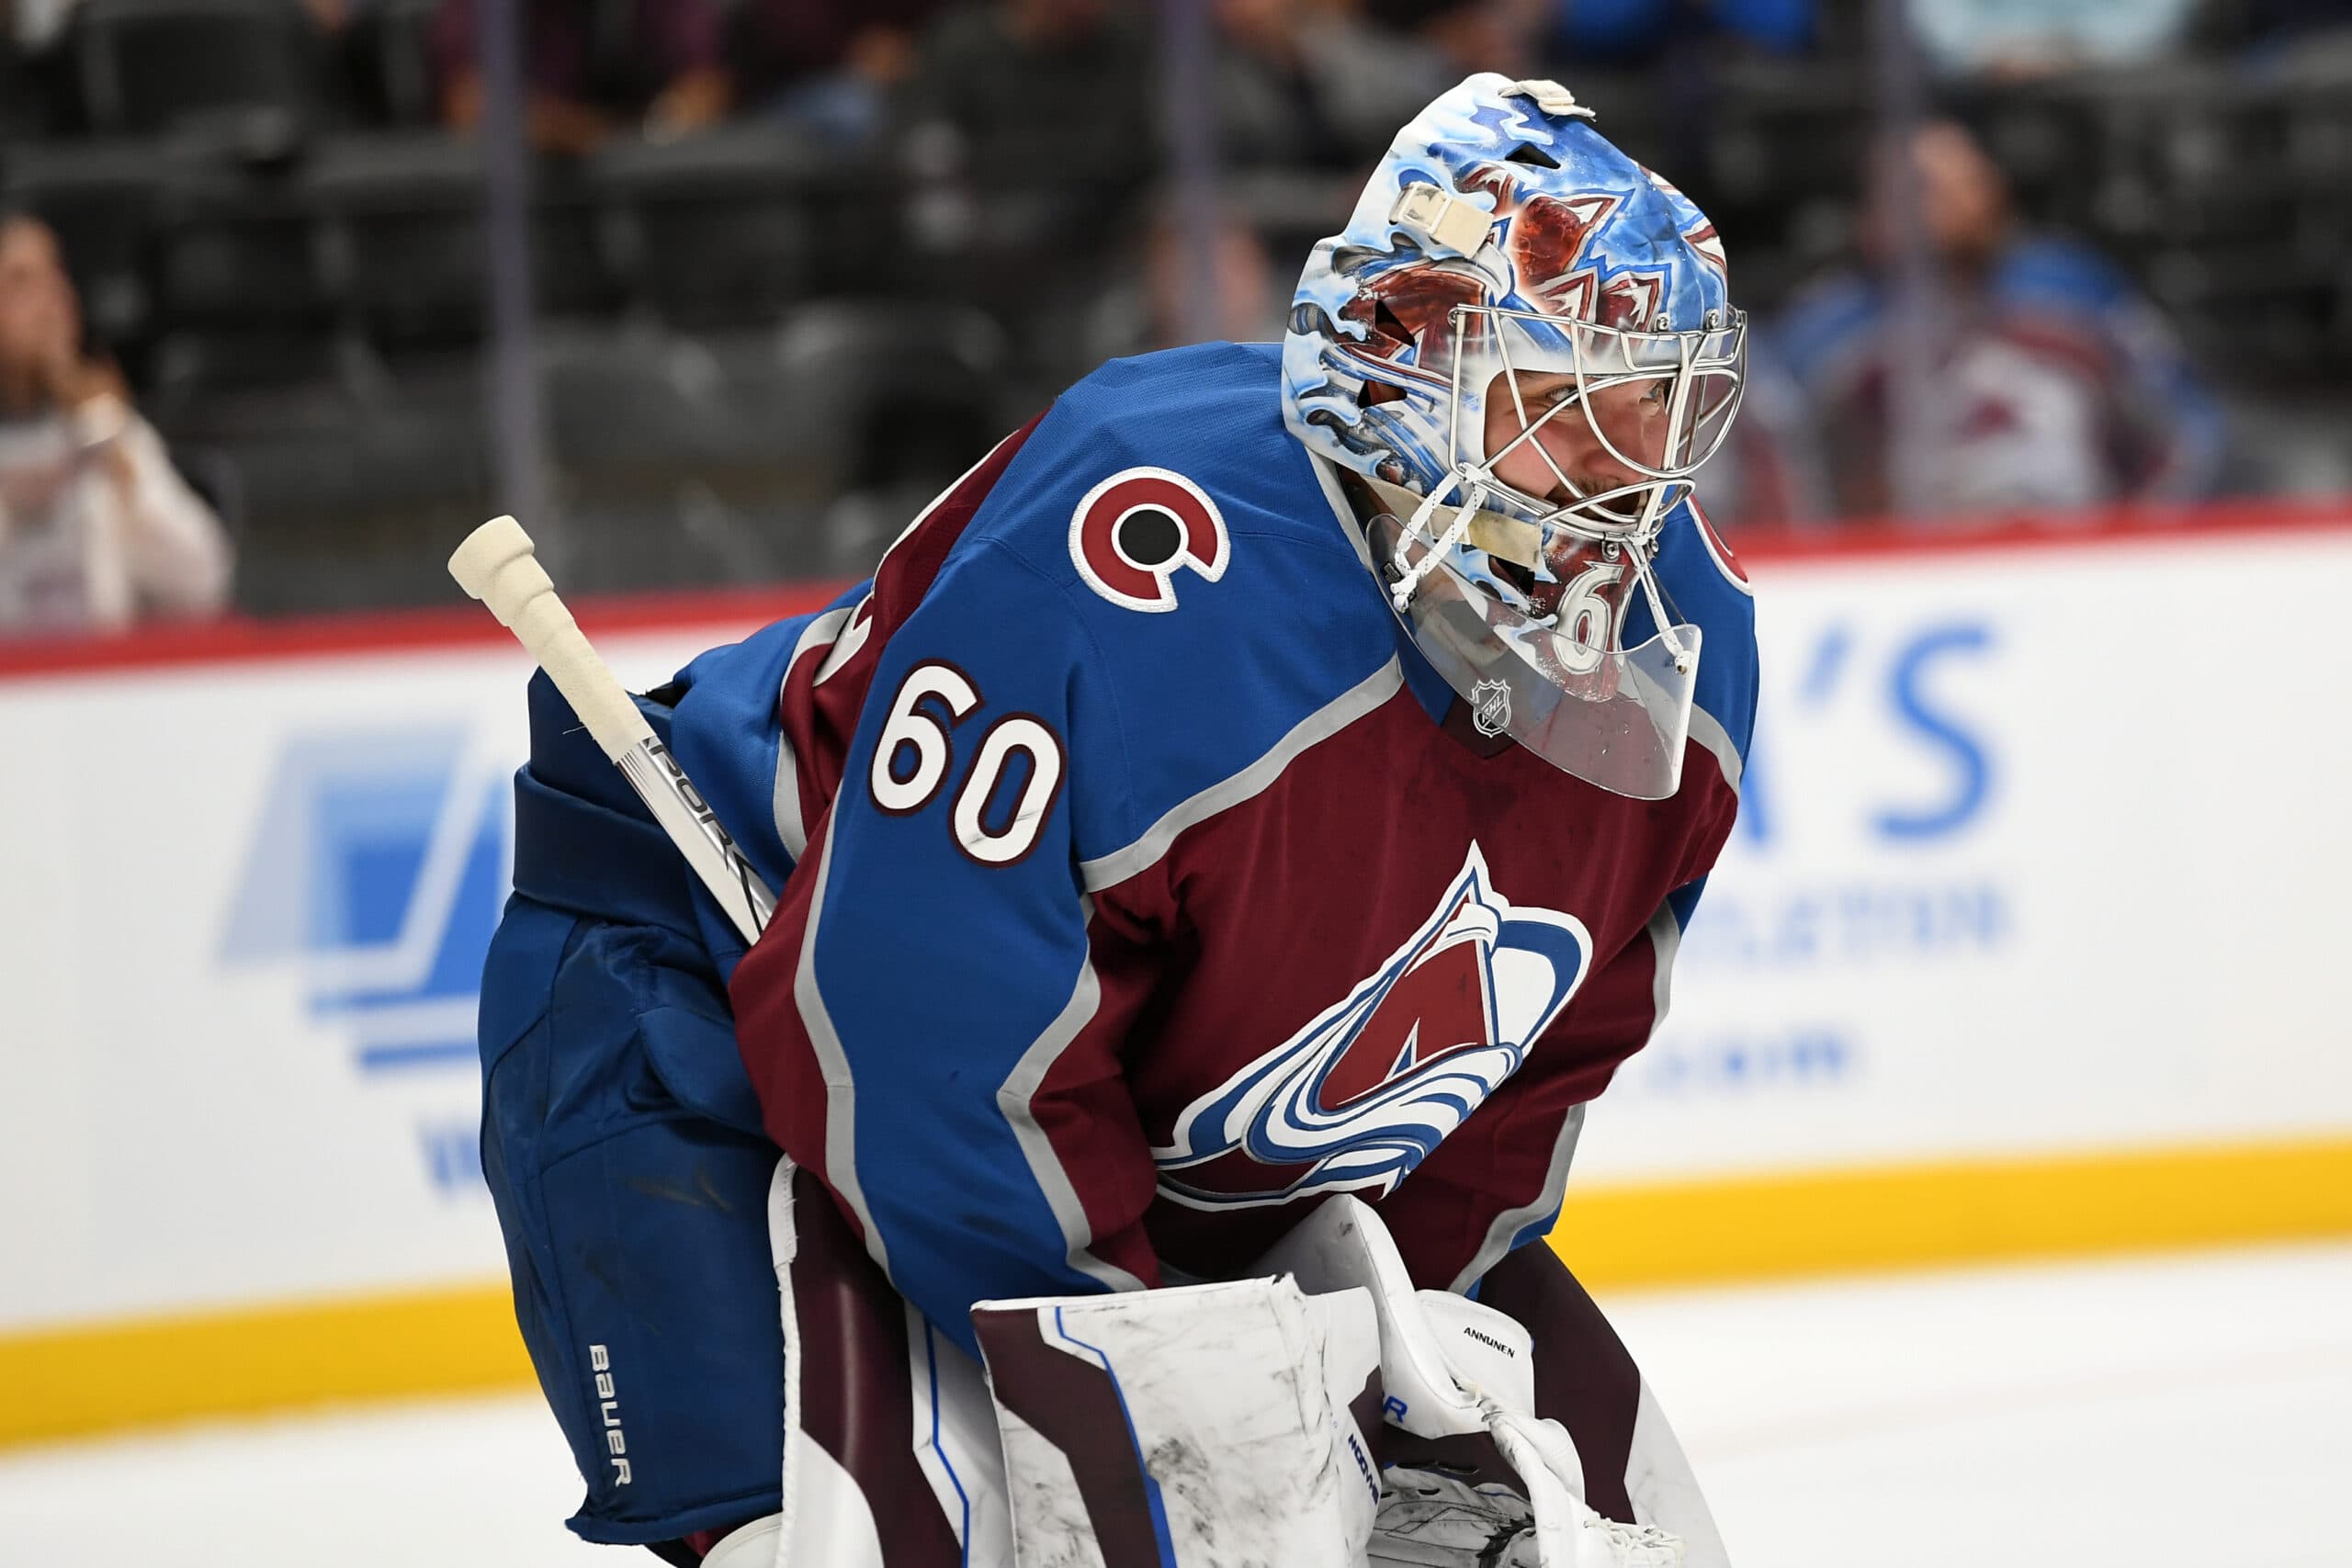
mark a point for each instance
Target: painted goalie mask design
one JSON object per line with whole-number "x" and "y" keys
{"x": 1505, "y": 269}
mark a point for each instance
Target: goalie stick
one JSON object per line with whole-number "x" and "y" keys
{"x": 496, "y": 565}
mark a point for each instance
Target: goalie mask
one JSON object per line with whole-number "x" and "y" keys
{"x": 1523, "y": 342}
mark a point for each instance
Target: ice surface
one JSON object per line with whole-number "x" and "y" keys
{"x": 2143, "y": 1413}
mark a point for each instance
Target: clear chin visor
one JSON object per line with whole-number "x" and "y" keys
{"x": 1616, "y": 718}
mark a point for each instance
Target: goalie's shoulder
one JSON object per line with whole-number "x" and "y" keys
{"x": 1184, "y": 530}
{"x": 1159, "y": 475}
{"x": 1707, "y": 587}
{"x": 1163, "y": 531}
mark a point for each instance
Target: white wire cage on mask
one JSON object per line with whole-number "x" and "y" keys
{"x": 1656, "y": 403}
{"x": 1502, "y": 590}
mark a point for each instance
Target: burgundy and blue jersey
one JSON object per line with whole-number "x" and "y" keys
{"x": 1140, "y": 885}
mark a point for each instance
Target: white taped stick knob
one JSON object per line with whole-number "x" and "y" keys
{"x": 475, "y": 563}
{"x": 496, "y": 565}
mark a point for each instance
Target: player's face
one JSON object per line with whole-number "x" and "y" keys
{"x": 1632, "y": 415}
{"x": 39, "y": 319}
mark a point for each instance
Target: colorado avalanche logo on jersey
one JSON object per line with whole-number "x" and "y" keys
{"x": 1131, "y": 533}
{"x": 1361, "y": 1095}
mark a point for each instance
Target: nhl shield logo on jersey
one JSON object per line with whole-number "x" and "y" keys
{"x": 1131, "y": 533}
{"x": 1490, "y": 707}
{"x": 1363, "y": 1094}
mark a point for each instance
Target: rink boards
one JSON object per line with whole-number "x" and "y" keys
{"x": 2031, "y": 940}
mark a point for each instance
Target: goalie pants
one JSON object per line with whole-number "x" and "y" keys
{"x": 623, "y": 1148}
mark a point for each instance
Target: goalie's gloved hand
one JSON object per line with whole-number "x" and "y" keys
{"x": 1431, "y": 1520}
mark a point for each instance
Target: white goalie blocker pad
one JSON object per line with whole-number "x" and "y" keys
{"x": 1196, "y": 1426}
{"x": 1451, "y": 1367}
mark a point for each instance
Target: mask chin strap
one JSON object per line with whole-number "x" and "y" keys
{"x": 1410, "y": 582}
{"x": 1648, "y": 579}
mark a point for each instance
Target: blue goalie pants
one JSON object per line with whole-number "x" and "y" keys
{"x": 623, "y": 1148}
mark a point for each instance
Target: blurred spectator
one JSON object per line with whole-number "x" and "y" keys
{"x": 2028, "y": 38}
{"x": 827, "y": 64}
{"x": 2049, "y": 382}
{"x": 96, "y": 527}
{"x": 594, "y": 67}
{"x": 1637, "y": 32}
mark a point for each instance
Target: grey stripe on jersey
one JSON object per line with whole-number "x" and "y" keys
{"x": 1106, "y": 871}
{"x": 1015, "y": 1098}
{"x": 1708, "y": 731}
{"x": 841, "y": 1086}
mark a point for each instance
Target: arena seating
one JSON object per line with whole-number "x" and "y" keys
{"x": 287, "y": 256}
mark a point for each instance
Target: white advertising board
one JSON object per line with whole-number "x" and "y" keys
{"x": 2042, "y": 850}
{"x": 246, "y": 907}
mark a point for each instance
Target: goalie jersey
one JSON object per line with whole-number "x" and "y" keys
{"x": 1140, "y": 885}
